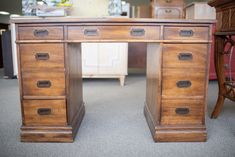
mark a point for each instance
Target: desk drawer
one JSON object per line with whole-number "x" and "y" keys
{"x": 167, "y": 3}
{"x": 186, "y": 33}
{"x": 113, "y": 32}
{"x": 48, "y": 83}
{"x": 41, "y": 33}
{"x": 183, "y": 83}
{"x": 185, "y": 55}
{"x": 182, "y": 112}
{"x": 44, "y": 112}
{"x": 42, "y": 56}
{"x": 168, "y": 13}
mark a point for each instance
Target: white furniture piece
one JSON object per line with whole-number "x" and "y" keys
{"x": 105, "y": 60}
{"x": 200, "y": 10}
{"x": 14, "y": 48}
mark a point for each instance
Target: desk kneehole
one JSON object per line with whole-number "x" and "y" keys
{"x": 114, "y": 32}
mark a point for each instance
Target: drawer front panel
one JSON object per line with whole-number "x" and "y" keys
{"x": 185, "y": 55}
{"x": 113, "y": 32}
{"x": 169, "y": 3}
{"x": 168, "y": 13}
{"x": 182, "y": 112}
{"x": 41, "y": 33}
{"x": 44, "y": 112}
{"x": 42, "y": 56}
{"x": 183, "y": 83}
{"x": 186, "y": 33}
{"x": 43, "y": 83}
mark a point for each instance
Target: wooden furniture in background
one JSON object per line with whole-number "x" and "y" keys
{"x": 1, "y": 58}
{"x": 143, "y": 11}
{"x": 50, "y": 77}
{"x": 224, "y": 46}
{"x": 137, "y": 53}
{"x": 105, "y": 60}
{"x": 167, "y": 9}
{"x": 7, "y": 55}
{"x": 201, "y": 10}
{"x": 3, "y": 27}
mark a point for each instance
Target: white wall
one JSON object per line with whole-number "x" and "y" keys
{"x": 90, "y": 8}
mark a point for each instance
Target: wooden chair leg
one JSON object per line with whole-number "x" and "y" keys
{"x": 219, "y": 67}
{"x": 218, "y": 107}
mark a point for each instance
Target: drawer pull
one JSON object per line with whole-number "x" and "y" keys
{"x": 44, "y": 111}
{"x": 91, "y": 32}
{"x": 182, "y": 111}
{"x": 168, "y": 11}
{"x": 186, "y": 33}
{"x": 168, "y": 1}
{"x": 44, "y": 84}
{"x": 137, "y": 32}
{"x": 185, "y": 56}
{"x": 41, "y": 33}
{"x": 184, "y": 84}
{"x": 42, "y": 56}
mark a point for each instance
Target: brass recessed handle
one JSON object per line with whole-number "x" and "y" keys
{"x": 137, "y": 32}
{"x": 168, "y": 1}
{"x": 168, "y": 11}
{"x": 91, "y": 32}
{"x": 44, "y": 111}
{"x": 185, "y": 56}
{"x": 186, "y": 33}
{"x": 184, "y": 84}
{"x": 182, "y": 111}
{"x": 44, "y": 84}
{"x": 41, "y": 33}
{"x": 42, "y": 56}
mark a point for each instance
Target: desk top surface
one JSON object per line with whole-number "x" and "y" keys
{"x": 72, "y": 19}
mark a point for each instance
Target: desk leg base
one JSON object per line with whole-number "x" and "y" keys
{"x": 175, "y": 133}
{"x": 184, "y": 135}
{"x": 52, "y": 134}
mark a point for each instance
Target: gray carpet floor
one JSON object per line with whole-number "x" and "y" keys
{"x": 114, "y": 125}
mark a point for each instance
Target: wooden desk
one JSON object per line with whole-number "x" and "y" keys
{"x": 49, "y": 57}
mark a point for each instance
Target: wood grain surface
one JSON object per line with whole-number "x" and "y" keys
{"x": 28, "y": 33}
{"x": 57, "y": 117}
{"x": 30, "y": 51}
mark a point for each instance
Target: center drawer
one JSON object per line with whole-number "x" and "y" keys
{"x": 113, "y": 32}
{"x": 44, "y": 112}
{"x": 41, "y": 56}
{"x": 183, "y": 83}
{"x": 43, "y": 83}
